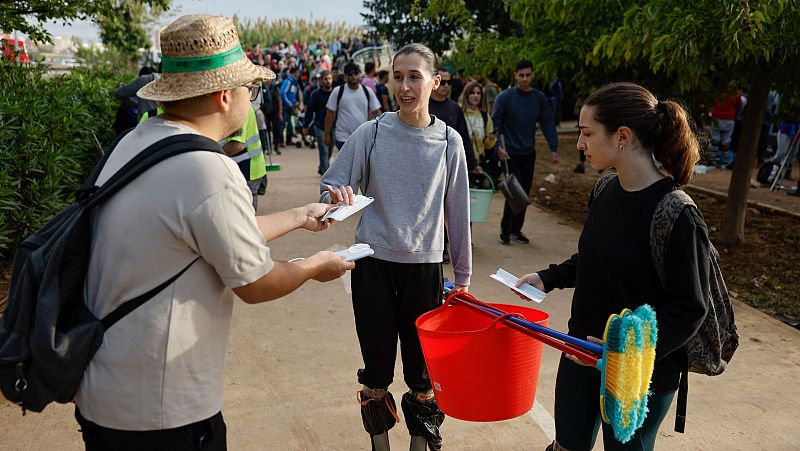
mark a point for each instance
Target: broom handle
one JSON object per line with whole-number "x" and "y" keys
{"x": 560, "y": 345}
{"x": 583, "y": 344}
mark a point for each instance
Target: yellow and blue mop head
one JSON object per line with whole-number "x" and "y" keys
{"x": 627, "y": 362}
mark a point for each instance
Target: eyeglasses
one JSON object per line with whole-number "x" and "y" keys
{"x": 254, "y": 90}
{"x": 353, "y": 74}
{"x": 445, "y": 82}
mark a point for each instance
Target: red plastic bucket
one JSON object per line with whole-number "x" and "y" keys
{"x": 481, "y": 370}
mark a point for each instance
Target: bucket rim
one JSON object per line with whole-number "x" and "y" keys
{"x": 437, "y": 311}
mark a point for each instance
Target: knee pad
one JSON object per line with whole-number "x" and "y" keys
{"x": 378, "y": 410}
{"x": 423, "y": 418}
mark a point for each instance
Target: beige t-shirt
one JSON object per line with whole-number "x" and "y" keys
{"x": 161, "y": 366}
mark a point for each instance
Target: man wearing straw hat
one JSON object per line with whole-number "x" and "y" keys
{"x": 157, "y": 380}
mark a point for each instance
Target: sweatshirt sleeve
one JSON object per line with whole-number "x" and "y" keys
{"x": 561, "y": 275}
{"x": 348, "y": 168}
{"x": 686, "y": 267}
{"x": 456, "y": 210}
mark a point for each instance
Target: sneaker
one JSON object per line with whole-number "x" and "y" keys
{"x": 445, "y": 256}
{"x": 794, "y": 192}
{"x": 278, "y": 151}
{"x": 505, "y": 238}
{"x": 579, "y": 169}
{"x": 520, "y": 238}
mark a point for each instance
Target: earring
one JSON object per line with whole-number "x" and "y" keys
{"x": 621, "y": 148}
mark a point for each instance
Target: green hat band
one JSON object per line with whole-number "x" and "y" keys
{"x": 200, "y": 63}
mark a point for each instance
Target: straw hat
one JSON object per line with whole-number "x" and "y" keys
{"x": 201, "y": 54}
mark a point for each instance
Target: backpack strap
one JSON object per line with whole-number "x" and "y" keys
{"x": 339, "y": 95}
{"x": 667, "y": 211}
{"x": 368, "y": 159}
{"x": 149, "y": 157}
{"x": 129, "y": 306}
{"x": 366, "y": 94}
{"x": 92, "y": 179}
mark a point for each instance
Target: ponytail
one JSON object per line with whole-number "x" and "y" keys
{"x": 675, "y": 145}
{"x": 663, "y": 128}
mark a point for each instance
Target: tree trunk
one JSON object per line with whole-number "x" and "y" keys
{"x": 736, "y": 206}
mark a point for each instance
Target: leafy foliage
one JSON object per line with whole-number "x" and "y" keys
{"x": 402, "y": 22}
{"x": 29, "y": 16}
{"x": 125, "y": 24}
{"x": 48, "y": 127}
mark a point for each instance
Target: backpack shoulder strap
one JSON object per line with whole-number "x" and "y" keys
{"x": 366, "y": 94}
{"x": 667, "y": 211}
{"x": 339, "y": 95}
{"x": 131, "y": 305}
{"x": 601, "y": 184}
{"x": 92, "y": 179}
{"x": 149, "y": 157}
{"x": 368, "y": 159}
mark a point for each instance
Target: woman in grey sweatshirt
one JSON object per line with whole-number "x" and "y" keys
{"x": 413, "y": 165}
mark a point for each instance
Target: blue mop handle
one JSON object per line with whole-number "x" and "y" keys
{"x": 587, "y": 345}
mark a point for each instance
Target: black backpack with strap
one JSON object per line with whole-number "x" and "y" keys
{"x": 47, "y": 333}
{"x": 712, "y": 347}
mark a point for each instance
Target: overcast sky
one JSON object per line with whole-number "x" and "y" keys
{"x": 331, "y": 10}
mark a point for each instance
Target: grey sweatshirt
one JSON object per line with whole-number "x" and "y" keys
{"x": 417, "y": 190}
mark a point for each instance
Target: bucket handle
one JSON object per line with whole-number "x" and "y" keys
{"x": 491, "y": 182}
{"x": 452, "y": 302}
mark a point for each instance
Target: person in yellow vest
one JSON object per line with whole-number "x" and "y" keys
{"x": 245, "y": 149}
{"x": 159, "y": 110}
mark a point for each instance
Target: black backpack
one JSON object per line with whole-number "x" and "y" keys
{"x": 712, "y": 347}
{"x": 47, "y": 334}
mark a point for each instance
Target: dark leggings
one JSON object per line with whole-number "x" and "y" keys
{"x": 577, "y": 412}
{"x": 388, "y": 298}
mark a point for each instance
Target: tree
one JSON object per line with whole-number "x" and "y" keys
{"x": 124, "y": 24}
{"x": 707, "y": 45}
{"x": 434, "y": 23}
{"x": 674, "y": 48}
{"x": 29, "y": 16}
{"x": 402, "y": 22}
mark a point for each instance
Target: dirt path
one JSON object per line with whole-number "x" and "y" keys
{"x": 290, "y": 379}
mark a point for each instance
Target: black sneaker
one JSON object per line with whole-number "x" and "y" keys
{"x": 505, "y": 238}
{"x": 520, "y": 238}
{"x": 445, "y": 256}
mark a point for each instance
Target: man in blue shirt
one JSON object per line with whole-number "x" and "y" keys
{"x": 291, "y": 95}
{"x": 515, "y": 113}
{"x": 316, "y": 110}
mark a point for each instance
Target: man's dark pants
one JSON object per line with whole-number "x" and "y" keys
{"x": 522, "y": 168}
{"x": 208, "y": 434}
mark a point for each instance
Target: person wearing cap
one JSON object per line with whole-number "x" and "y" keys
{"x": 349, "y": 106}
{"x": 157, "y": 380}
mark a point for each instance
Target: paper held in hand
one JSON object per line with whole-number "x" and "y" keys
{"x": 342, "y": 211}
{"x": 510, "y": 280}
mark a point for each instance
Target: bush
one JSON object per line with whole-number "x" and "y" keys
{"x": 48, "y": 127}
